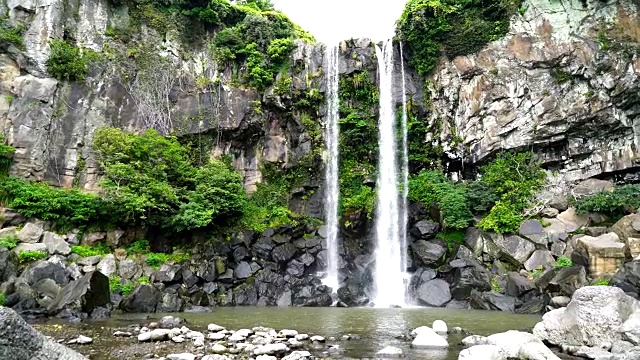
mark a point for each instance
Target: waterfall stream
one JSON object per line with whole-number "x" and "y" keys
{"x": 389, "y": 288}
{"x": 332, "y": 192}
{"x": 405, "y": 168}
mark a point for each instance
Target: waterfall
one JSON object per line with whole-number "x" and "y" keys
{"x": 405, "y": 169}
{"x": 332, "y": 192}
{"x": 389, "y": 274}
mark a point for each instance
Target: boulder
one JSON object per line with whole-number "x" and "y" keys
{"x": 284, "y": 252}
{"x": 628, "y": 278}
{"x": 434, "y": 292}
{"x": 168, "y": 273}
{"x": 628, "y": 230}
{"x": 107, "y": 265}
{"x": 426, "y": 338}
{"x": 534, "y": 231}
{"x": 604, "y": 254}
{"x": 427, "y": 252}
{"x": 295, "y": 268}
{"x": 590, "y": 187}
{"x": 93, "y": 238}
{"x": 30, "y": 233}
{"x": 563, "y": 280}
{"x": 29, "y": 247}
{"x": 89, "y": 292}
{"x": 44, "y": 269}
{"x": 390, "y": 352}
{"x": 492, "y": 301}
{"x": 242, "y": 270}
{"x": 21, "y": 342}
{"x": 593, "y": 317}
{"x": 89, "y": 260}
{"x": 8, "y": 264}
{"x": 144, "y": 299}
{"x": 572, "y": 221}
{"x": 517, "y": 284}
{"x": 540, "y": 259}
{"x": 170, "y": 302}
{"x": 8, "y": 232}
{"x": 128, "y": 269}
{"x": 440, "y": 327}
{"x": 515, "y": 249}
{"x": 468, "y": 278}
{"x": 424, "y": 229}
{"x": 55, "y": 244}
{"x": 481, "y": 352}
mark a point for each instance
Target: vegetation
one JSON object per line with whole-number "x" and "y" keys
{"x": 125, "y": 287}
{"x": 156, "y": 259}
{"x": 25, "y": 257}
{"x": 432, "y": 188}
{"x": 3, "y": 300}
{"x": 601, "y": 282}
{"x": 563, "y": 262}
{"x": 86, "y": 251}
{"x": 8, "y": 242}
{"x": 10, "y": 35}
{"x": 432, "y": 28}
{"x": 451, "y": 238}
{"x": 69, "y": 62}
{"x": 617, "y": 203}
{"x": 6, "y": 156}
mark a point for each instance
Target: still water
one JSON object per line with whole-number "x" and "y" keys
{"x": 376, "y": 328}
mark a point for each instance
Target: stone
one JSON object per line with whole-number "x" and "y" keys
{"x": 91, "y": 291}
{"x": 9, "y": 232}
{"x": 122, "y": 334}
{"x": 631, "y": 328}
{"x": 170, "y": 302}
{"x": 434, "y": 293}
{"x": 21, "y": 342}
{"x": 115, "y": 238}
{"x": 271, "y": 349}
{"x": 628, "y": 231}
{"x": 302, "y": 337}
{"x": 540, "y": 259}
{"x": 284, "y": 252}
{"x": 593, "y": 318}
{"x": 29, "y": 247}
{"x": 285, "y": 299}
{"x": 424, "y": 229}
{"x": 550, "y": 212}
{"x": 143, "y": 299}
{"x": 390, "y": 352}
{"x": 81, "y": 340}
{"x": 605, "y": 253}
{"x": 492, "y": 301}
{"x": 168, "y": 273}
{"x": 560, "y": 301}
{"x": 515, "y": 249}
{"x": 169, "y": 322}
{"x": 298, "y": 355}
{"x": 481, "y": 352}
{"x": 558, "y": 248}
{"x": 628, "y": 277}
{"x": 590, "y": 187}
{"x": 427, "y": 252}
{"x": 89, "y": 260}
{"x": 426, "y": 338}
{"x": 243, "y": 270}
{"x": 215, "y": 328}
{"x": 219, "y": 349}
{"x": 55, "y": 244}
{"x": 179, "y": 339}
{"x": 440, "y": 327}
{"x": 517, "y": 284}
{"x": 564, "y": 281}
{"x": 93, "y": 238}
{"x": 43, "y": 269}
{"x": 30, "y": 233}
{"x": 469, "y": 278}
{"x": 288, "y": 333}
{"x": 155, "y": 335}
{"x": 128, "y": 269}
{"x": 181, "y": 356}
{"x": 107, "y": 265}
{"x": 534, "y": 231}
{"x": 318, "y": 339}
{"x": 216, "y": 336}
{"x": 295, "y": 268}
{"x": 47, "y": 287}
{"x": 573, "y": 221}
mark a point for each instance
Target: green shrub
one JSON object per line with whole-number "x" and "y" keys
{"x": 8, "y": 242}
{"x": 115, "y": 284}
{"x": 502, "y": 218}
{"x": 25, "y": 257}
{"x": 10, "y": 35}
{"x": 563, "y": 262}
{"x": 86, "y": 251}
{"x": 127, "y": 288}
{"x": 3, "y": 300}
{"x": 622, "y": 200}
{"x": 156, "y": 259}
{"x": 144, "y": 280}
{"x": 6, "y": 157}
{"x": 433, "y": 188}
{"x": 431, "y": 28}
{"x": 451, "y": 238}
{"x": 68, "y": 62}
{"x": 138, "y": 247}
{"x": 601, "y": 282}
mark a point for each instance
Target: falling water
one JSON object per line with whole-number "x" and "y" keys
{"x": 404, "y": 209}
{"x": 331, "y": 188}
{"x": 389, "y": 274}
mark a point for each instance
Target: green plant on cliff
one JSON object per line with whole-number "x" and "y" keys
{"x": 25, "y": 257}
{"x": 10, "y": 35}
{"x": 9, "y": 242}
{"x": 617, "y": 203}
{"x": 67, "y": 61}
{"x": 3, "y": 299}
{"x": 6, "y": 157}
{"x": 432, "y": 28}
{"x": 563, "y": 262}
{"x": 87, "y": 250}
{"x": 432, "y": 188}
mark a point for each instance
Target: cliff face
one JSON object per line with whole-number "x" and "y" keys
{"x": 564, "y": 82}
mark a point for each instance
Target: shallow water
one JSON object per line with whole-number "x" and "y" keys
{"x": 377, "y": 328}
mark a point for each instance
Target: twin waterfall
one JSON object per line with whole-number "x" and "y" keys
{"x": 391, "y": 210}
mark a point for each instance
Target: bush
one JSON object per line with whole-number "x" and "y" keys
{"x": 10, "y": 35}
{"x": 431, "y": 28}
{"x": 563, "y": 262}
{"x": 156, "y": 259}
{"x": 3, "y": 300}
{"x": 622, "y": 200}
{"x": 127, "y": 288}
{"x": 115, "y": 284}
{"x": 25, "y": 257}
{"x": 144, "y": 280}
{"x": 68, "y": 62}
{"x": 601, "y": 282}
{"x": 502, "y": 218}
{"x": 139, "y": 247}
{"x": 6, "y": 157}
{"x": 86, "y": 251}
{"x": 8, "y": 242}
{"x": 433, "y": 188}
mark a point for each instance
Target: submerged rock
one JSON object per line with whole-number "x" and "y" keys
{"x": 390, "y": 352}
{"x": 426, "y": 338}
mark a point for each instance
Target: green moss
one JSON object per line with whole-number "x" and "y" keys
{"x": 615, "y": 204}
{"x": 25, "y": 257}
{"x": 68, "y": 62}
{"x": 3, "y": 300}
{"x": 8, "y": 242}
{"x": 6, "y": 158}
{"x": 156, "y": 259}
{"x": 10, "y": 35}
{"x": 563, "y": 262}
{"x": 86, "y": 250}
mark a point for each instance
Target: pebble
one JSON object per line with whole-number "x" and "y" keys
{"x": 298, "y": 355}
{"x": 81, "y": 340}
{"x": 288, "y": 333}
{"x": 215, "y": 328}
{"x": 302, "y": 337}
{"x": 318, "y": 338}
{"x": 219, "y": 349}
{"x": 198, "y": 342}
{"x": 216, "y": 336}
{"x": 178, "y": 339}
{"x": 122, "y": 334}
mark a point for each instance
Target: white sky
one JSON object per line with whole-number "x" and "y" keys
{"x": 336, "y": 20}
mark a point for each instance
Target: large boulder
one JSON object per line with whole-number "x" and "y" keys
{"x": 517, "y": 284}
{"x": 87, "y": 293}
{"x": 563, "y": 281}
{"x": 628, "y": 278}
{"x": 492, "y": 301}
{"x": 590, "y": 187}
{"x": 30, "y": 233}
{"x": 515, "y": 249}
{"x": 594, "y": 317}
{"x": 55, "y": 244}
{"x": 604, "y": 254}
{"x": 242, "y": 270}
{"x": 628, "y": 230}
{"x": 468, "y": 278}
{"x": 434, "y": 292}
{"x": 107, "y": 265}
{"x": 534, "y": 231}
{"x": 284, "y": 252}
{"x": 19, "y": 341}
{"x": 507, "y": 345}
{"x": 168, "y": 273}
{"x": 44, "y": 269}
{"x": 427, "y": 252}
{"x": 144, "y": 299}
{"x": 424, "y": 229}
{"x": 540, "y": 259}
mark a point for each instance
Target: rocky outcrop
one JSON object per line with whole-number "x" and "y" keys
{"x": 561, "y": 82}
{"x": 21, "y": 342}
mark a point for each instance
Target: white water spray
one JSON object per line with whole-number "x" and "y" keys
{"x": 332, "y": 192}
{"x": 389, "y": 274}
{"x": 405, "y": 169}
